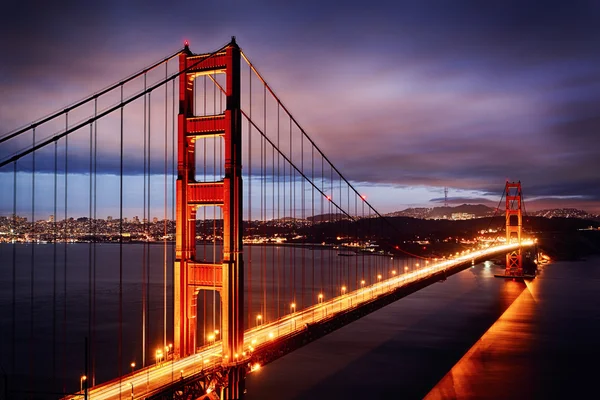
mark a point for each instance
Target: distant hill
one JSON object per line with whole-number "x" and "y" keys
{"x": 564, "y": 213}
{"x": 481, "y": 211}
{"x": 478, "y": 210}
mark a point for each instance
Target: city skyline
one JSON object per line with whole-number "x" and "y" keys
{"x": 404, "y": 99}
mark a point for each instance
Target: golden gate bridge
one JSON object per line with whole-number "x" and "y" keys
{"x": 261, "y": 218}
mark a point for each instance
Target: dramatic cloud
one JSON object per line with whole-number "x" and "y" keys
{"x": 399, "y": 95}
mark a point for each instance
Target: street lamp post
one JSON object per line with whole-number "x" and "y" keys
{"x": 343, "y": 290}
{"x": 320, "y": 301}
{"x": 362, "y": 285}
{"x": 158, "y": 354}
{"x": 81, "y": 380}
{"x": 211, "y": 338}
{"x": 132, "y": 367}
{"x": 258, "y": 319}
{"x": 379, "y": 282}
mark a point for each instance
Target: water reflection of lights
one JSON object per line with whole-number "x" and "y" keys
{"x": 511, "y": 337}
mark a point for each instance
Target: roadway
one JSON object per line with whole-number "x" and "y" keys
{"x": 147, "y": 380}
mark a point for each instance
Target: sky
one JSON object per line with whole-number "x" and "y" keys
{"x": 404, "y": 97}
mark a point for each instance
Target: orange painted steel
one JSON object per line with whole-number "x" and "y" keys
{"x": 514, "y": 259}
{"x": 189, "y": 275}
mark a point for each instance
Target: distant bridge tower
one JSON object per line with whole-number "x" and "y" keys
{"x": 225, "y": 277}
{"x": 514, "y": 223}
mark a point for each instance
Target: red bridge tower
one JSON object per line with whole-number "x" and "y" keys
{"x": 191, "y": 276}
{"x": 514, "y": 223}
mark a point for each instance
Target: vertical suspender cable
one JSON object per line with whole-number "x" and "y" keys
{"x": 13, "y": 350}
{"x": 165, "y": 219}
{"x": 249, "y": 265}
{"x": 90, "y": 245}
{"x": 322, "y": 222}
{"x": 272, "y": 264}
{"x": 149, "y": 169}
{"x": 283, "y": 250}
{"x": 120, "y": 345}
{"x": 32, "y": 276}
{"x": 93, "y": 341}
{"x": 280, "y": 256}
{"x": 292, "y": 261}
{"x": 303, "y": 217}
{"x": 64, "y": 349}
{"x": 144, "y": 277}
{"x": 249, "y": 283}
{"x": 262, "y": 204}
{"x": 312, "y": 172}
{"x": 173, "y": 171}
{"x": 214, "y": 173}
{"x": 54, "y": 263}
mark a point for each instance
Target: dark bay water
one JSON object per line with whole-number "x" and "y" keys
{"x": 436, "y": 342}
{"x": 471, "y": 337}
{"x": 44, "y": 326}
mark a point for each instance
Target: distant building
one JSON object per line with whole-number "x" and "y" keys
{"x": 155, "y": 220}
{"x": 462, "y": 216}
{"x": 109, "y": 218}
{"x": 51, "y": 218}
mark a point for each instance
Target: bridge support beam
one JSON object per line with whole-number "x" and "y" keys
{"x": 514, "y": 224}
{"x": 189, "y": 275}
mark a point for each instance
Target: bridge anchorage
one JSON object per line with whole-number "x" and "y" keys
{"x": 514, "y": 225}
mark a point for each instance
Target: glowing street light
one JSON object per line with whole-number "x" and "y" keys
{"x": 132, "y": 367}
{"x": 379, "y": 279}
{"x": 393, "y": 272}
{"x": 158, "y": 355}
{"x": 81, "y": 380}
{"x": 320, "y": 297}
{"x": 343, "y": 290}
{"x": 293, "y": 307}
{"x": 362, "y": 284}
{"x": 258, "y": 319}
{"x": 405, "y": 269}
